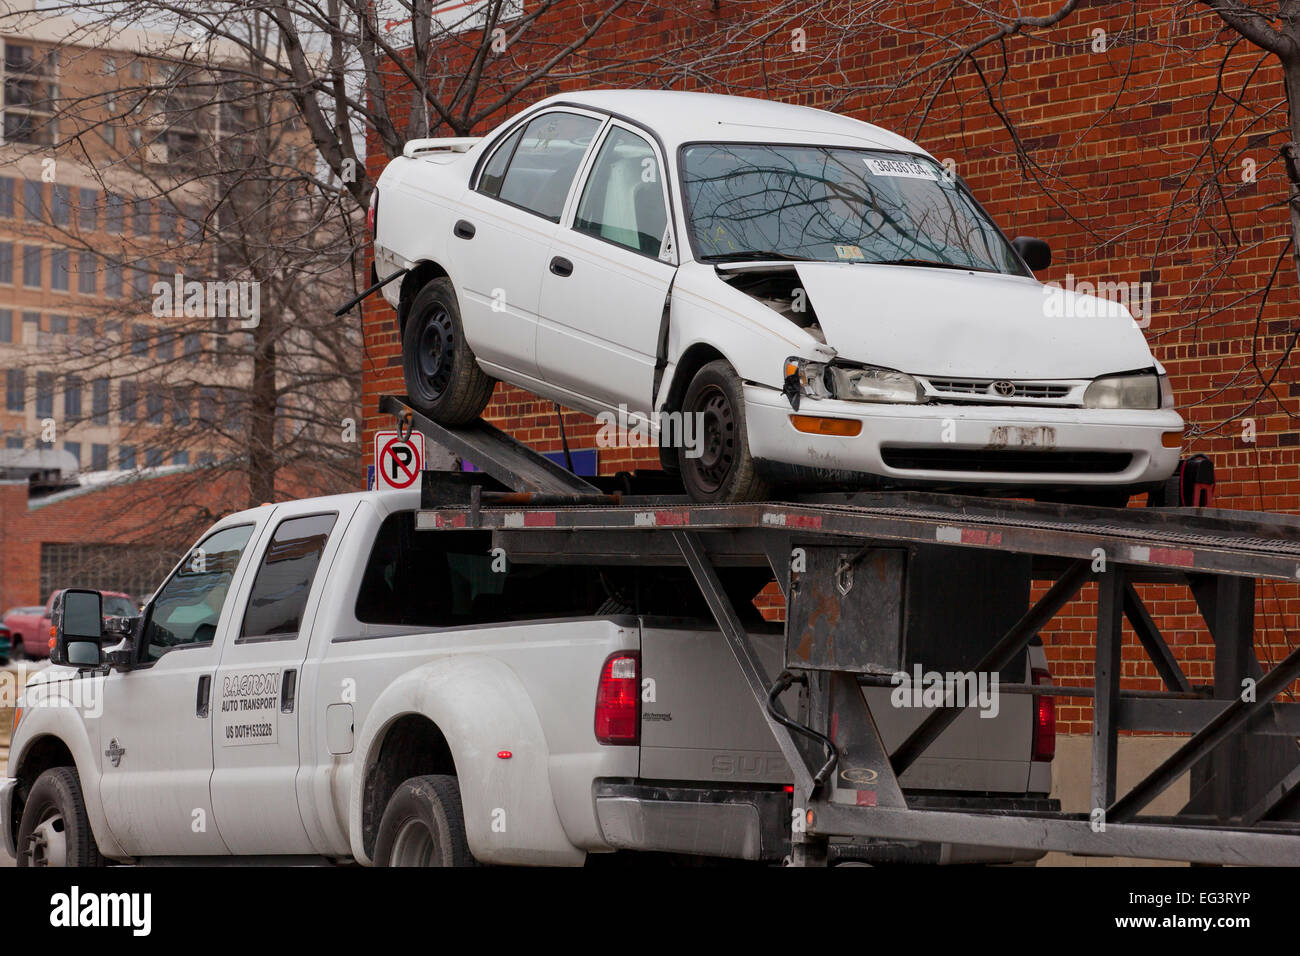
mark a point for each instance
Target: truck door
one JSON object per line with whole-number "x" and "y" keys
{"x": 155, "y": 749}
{"x": 255, "y": 703}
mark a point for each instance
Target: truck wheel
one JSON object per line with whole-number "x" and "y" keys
{"x": 723, "y": 470}
{"x": 55, "y": 830}
{"x": 443, "y": 379}
{"x": 424, "y": 825}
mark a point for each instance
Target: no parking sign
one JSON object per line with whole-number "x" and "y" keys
{"x": 398, "y": 462}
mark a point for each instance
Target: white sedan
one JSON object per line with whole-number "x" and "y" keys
{"x": 776, "y": 294}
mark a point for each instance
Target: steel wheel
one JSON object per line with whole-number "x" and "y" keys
{"x": 48, "y": 843}
{"x": 414, "y": 845}
{"x": 718, "y": 422}
{"x": 436, "y": 351}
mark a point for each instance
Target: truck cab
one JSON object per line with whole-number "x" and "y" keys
{"x": 324, "y": 679}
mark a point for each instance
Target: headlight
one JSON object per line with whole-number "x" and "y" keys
{"x": 871, "y": 384}
{"x": 851, "y": 384}
{"x": 1166, "y": 392}
{"x": 1139, "y": 390}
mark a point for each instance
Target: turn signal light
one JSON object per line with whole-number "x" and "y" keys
{"x": 814, "y": 425}
{"x": 1172, "y": 439}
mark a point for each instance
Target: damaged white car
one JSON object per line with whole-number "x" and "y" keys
{"x": 780, "y": 294}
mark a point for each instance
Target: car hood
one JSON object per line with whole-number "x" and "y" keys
{"x": 948, "y": 322}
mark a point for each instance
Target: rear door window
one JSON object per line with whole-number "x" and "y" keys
{"x": 541, "y": 170}
{"x": 284, "y": 580}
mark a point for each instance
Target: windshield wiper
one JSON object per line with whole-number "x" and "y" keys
{"x": 753, "y": 254}
{"x": 931, "y": 263}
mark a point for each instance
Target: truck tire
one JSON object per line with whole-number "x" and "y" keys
{"x": 442, "y": 376}
{"x": 55, "y": 830}
{"x": 424, "y": 825}
{"x": 724, "y": 471}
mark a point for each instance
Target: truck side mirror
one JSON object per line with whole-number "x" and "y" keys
{"x": 80, "y": 629}
{"x": 1036, "y": 253}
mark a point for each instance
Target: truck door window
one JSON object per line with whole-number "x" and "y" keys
{"x": 188, "y": 607}
{"x": 283, "y": 582}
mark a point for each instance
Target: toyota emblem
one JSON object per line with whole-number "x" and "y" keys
{"x": 1005, "y": 389}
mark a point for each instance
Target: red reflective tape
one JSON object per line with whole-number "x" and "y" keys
{"x": 803, "y": 521}
{"x": 866, "y": 798}
{"x": 539, "y": 519}
{"x": 1179, "y": 556}
{"x": 455, "y": 521}
{"x": 974, "y": 536}
{"x": 672, "y": 517}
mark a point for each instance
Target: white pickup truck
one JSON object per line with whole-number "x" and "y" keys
{"x": 318, "y": 680}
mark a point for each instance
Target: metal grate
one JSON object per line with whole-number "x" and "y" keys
{"x": 1009, "y": 390}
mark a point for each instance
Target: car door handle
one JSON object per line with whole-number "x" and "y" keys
{"x": 288, "y": 687}
{"x": 464, "y": 229}
{"x": 561, "y": 266}
{"x": 204, "y": 695}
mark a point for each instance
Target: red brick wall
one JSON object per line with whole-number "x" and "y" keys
{"x": 1112, "y": 138}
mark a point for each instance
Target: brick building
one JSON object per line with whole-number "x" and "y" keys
{"x": 1148, "y": 153}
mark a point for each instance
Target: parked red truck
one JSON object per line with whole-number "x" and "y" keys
{"x": 29, "y": 627}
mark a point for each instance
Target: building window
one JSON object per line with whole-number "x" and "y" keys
{"x": 59, "y": 270}
{"x": 86, "y": 329}
{"x": 32, "y": 267}
{"x": 99, "y": 403}
{"x": 113, "y": 280}
{"x": 182, "y": 398}
{"x": 192, "y": 346}
{"x": 7, "y": 197}
{"x": 181, "y": 458}
{"x": 74, "y": 449}
{"x": 166, "y": 346}
{"x": 16, "y": 443}
{"x": 44, "y": 394}
{"x": 33, "y": 199}
{"x": 115, "y": 212}
{"x": 99, "y": 458}
{"x": 6, "y": 262}
{"x": 140, "y": 279}
{"x": 166, "y": 219}
{"x": 126, "y": 401}
{"x": 153, "y": 457}
{"x": 126, "y": 458}
{"x": 141, "y": 217}
{"x": 88, "y": 210}
{"x": 153, "y": 404}
{"x": 6, "y": 325}
{"x": 16, "y": 390}
{"x": 86, "y": 273}
{"x": 58, "y": 325}
{"x": 139, "y": 340}
{"x": 30, "y": 92}
{"x": 61, "y": 205}
{"x": 72, "y": 397}
{"x": 207, "y": 406}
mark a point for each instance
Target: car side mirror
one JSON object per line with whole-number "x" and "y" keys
{"x": 80, "y": 629}
{"x": 1036, "y": 253}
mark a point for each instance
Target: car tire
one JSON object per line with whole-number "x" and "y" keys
{"x": 424, "y": 825}
{"x": 55, "y": 830}
{"x": 443, "y": 378}
{"x": 724, "y": 471}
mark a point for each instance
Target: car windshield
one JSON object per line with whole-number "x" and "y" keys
{"x": 835, "y": 205}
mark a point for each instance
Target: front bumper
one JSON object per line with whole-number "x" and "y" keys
{"x": 1008, "y": 446}
{"x": 7, "y": 787}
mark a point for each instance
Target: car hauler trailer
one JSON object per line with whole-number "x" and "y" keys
{"x": 847, "y": 565}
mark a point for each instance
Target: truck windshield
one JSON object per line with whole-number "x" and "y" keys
{"x": 831, "y": 204}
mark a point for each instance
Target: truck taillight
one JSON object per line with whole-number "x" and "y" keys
{"x": 1044, "y": 718}
{"x": 372, "y": 214}
{"x": 618, "y": 699}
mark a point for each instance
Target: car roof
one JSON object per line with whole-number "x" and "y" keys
{"x": 684, "y": 117}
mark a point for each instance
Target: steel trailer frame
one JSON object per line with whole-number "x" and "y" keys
{"x": 1242, "y": 752}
